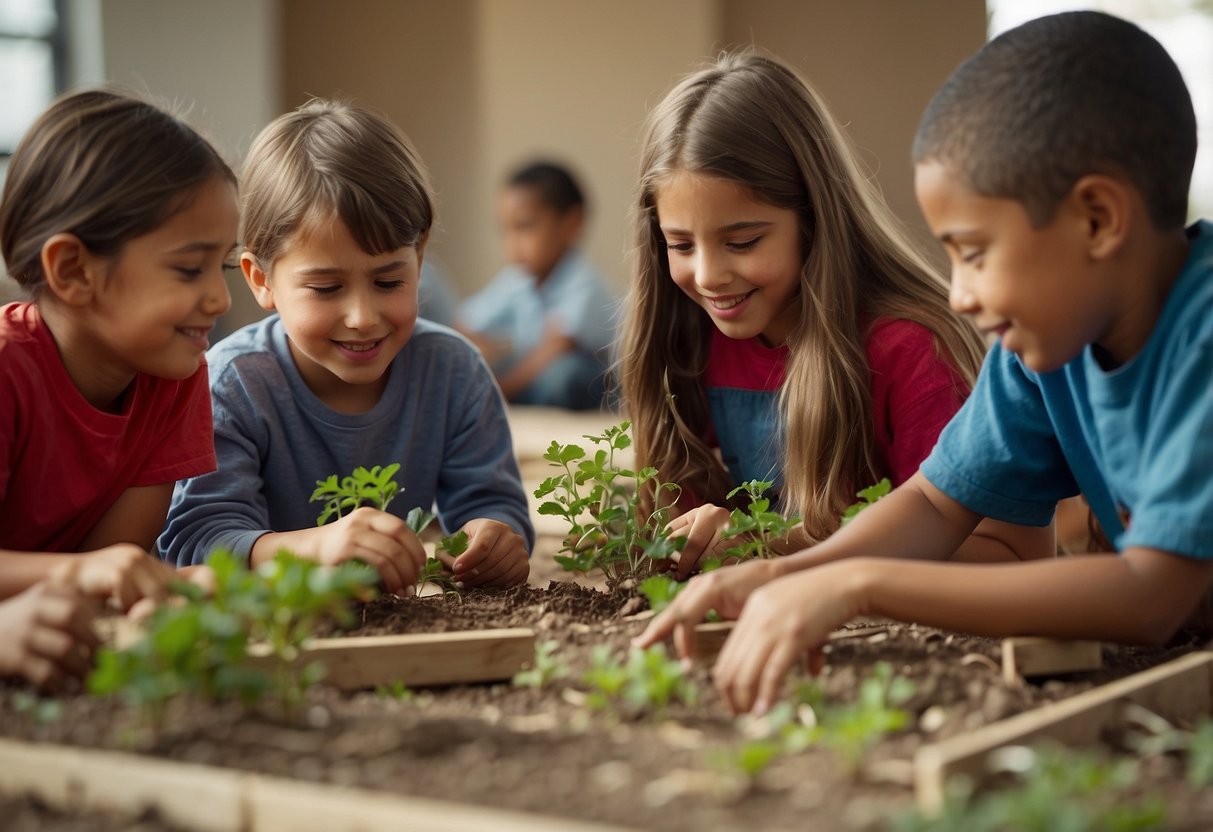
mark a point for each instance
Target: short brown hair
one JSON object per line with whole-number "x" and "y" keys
{"x": 330, "y": 158}
{"x": 104, "y": 165}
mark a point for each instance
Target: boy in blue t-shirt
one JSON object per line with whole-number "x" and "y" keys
{"x": 1054, "y": 166}
{"x": 546, "y": 321}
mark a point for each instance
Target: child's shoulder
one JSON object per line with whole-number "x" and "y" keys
{"x": 431, "y": 339}
{"x": 252, "y": 345}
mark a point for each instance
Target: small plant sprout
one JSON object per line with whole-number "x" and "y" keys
{"x": 649, "y": 681}
{"x": 660, "y": 590}
{"x": 434, "y": 572}
{"x": 374, "y": 487}
{"x": 611, "y": 528}
{"x": 545, "y": 669}
{"x": 758, "y": 527}
{"x": 1053, "y": 789}
{"x": 200, "y": 645}
{"x": 397, "y": 690}
{"x": 867, "y": 497}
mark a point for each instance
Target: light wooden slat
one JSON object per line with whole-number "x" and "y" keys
{"x": 210, "y": 799}
{"x": 1178, "y": 690}
{"x": 419, "y": 659}
{"x": 1027, "y": 657}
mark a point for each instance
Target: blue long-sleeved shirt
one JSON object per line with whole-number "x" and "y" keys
{"x": 441, "y": 416}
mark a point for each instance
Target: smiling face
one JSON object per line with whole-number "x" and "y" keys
{"x": 160, "y": 297}
{"x": 347, "y": 314}
{"x": 1036, "y": 289}
{"x": 738, "y": 258}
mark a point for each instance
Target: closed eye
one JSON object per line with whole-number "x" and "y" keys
{"x": 745, "y": 245}
{"x": 389, "y": 285}
{"x": 324, "y": 290}
{"x": 189, "y": 273}
{"x": 682, "y": 248}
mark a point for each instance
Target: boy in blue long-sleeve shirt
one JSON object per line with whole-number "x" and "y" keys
{"x": 335, "y": 218}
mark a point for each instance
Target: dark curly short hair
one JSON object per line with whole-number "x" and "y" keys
{"x": 1059, "y": 98}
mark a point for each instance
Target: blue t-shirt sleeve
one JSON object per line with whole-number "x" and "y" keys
{"x": 1000, "y": 456}
{"x": 1175, "y": 510}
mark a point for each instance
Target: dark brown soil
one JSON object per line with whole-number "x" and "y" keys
{"x": 544, "y": 751}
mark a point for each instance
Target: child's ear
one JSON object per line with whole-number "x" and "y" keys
{"x": 1106, "y": 205}
{"x": 258, "y": 280}
{"x": 73, "y": 273}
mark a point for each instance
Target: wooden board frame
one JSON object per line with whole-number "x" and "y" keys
{"x": 418, "y": 660}
{"x": 1029, "y": 656}
{"x": 1181, "y": 689}
{"x": 210, "y": 799}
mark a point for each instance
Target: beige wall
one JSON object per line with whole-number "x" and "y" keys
{"x": 876, "y": 62}
{"x": 481, "y": 85}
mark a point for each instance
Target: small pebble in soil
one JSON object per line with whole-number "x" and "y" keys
{"x": 611, "y": 776}
{"x": 932, "y": 719}
{"x": 318, "y": 716}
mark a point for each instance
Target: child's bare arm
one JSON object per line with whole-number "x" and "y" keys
{"x": 1141, "y": 596}
{"x": 135, "y": 517}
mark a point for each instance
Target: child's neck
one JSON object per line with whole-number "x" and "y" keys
{"x": 1146, "y": 273}
{"x": 101, "y": 383}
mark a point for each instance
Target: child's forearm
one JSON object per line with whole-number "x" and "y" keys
{"x": 21, "y": 570}
{"x": 915, "y": 521}
{"x": 1141, "y": 596}
{"x": 299, "y": 542}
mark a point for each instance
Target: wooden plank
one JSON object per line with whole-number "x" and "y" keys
{"x": 277, "y": 805}
{"x": 1026, "y": 657}
{"x": 210, "y": 799}
{"x": 1178, "y": 690}
{"x": 86, "y": 780}
{"x": 419, "y": 659}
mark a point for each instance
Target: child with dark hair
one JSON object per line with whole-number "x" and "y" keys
{"x": 546, "y": 321}
{"x": 337, "y": 211}
{"x": 1054, "y": 167}
{"x": 117, "y": 219}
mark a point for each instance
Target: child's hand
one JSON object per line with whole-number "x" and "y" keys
{"x": 48, "y": 634}
{"x": 788, "y": 618}
{"x": 496, "y": 555}
{"x": 702, "y": 527}
{"x": 381, "y": 540}
{"x": 123, "y": 572}
{"x": 724, "y": 590}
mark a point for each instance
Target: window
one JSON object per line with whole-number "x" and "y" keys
{"x": 1184, "y": 28}
{"x": 32, "y": 64}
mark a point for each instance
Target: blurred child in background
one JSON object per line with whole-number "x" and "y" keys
{"x": 546, "y": 321}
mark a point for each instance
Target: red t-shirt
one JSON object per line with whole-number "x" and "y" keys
{"x": 915, "y": 392}
{"x": 63, "y": 463}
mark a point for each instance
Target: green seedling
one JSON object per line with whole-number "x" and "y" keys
{"x": 649, "y": 681}
{"x": 199, "y": 645}
{"x": 759, "y": 527}
{"x": 660, "y": 590}
{"x": 1056, "y": 790}
{"x": 434, "y": 571}
{"x": 374, "y": 487}
{"x": 545, "y": 669}
{"x": 852, "y": 729}
{"x": 1200, "y": 755}
{"x": 867, "y": 497}
{"x": 42, "y": 711}
{"x": 397, "y": 690}
{"x": 611, "y": 529}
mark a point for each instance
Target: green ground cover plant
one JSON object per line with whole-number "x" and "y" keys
{"x": 644, "y": 682}
{"x": 199, "y": 645}
{"x": 867, "y": 497}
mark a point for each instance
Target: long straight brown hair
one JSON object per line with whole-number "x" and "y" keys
{"x": 750, "y": 120}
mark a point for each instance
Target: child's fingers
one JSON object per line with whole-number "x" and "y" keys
{"x": 59, "y": 648}
{"x": 501, "y": 564}
{"x": 44, "y": 673}
{"x": 65, "y": 610}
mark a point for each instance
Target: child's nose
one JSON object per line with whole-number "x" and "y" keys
{"x": 217, "y": 299}
{"x": 961, "y": 297}
{"x": 711, "y": 272}
{"x": 360, "y": 311}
